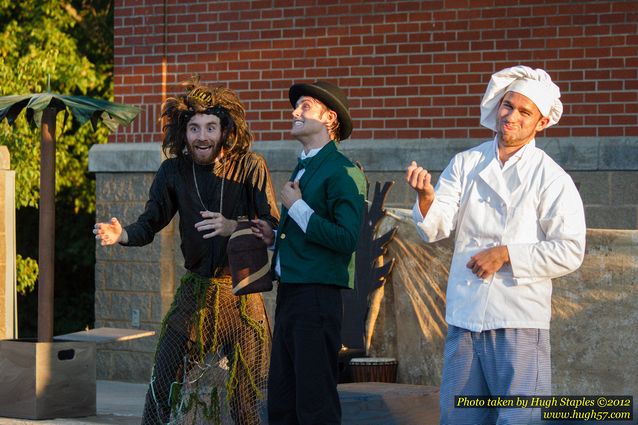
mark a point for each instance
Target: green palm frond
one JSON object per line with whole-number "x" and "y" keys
{"x": 82, "y": 108}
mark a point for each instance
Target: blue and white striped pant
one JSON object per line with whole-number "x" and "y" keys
{"x": 499, "y": 362}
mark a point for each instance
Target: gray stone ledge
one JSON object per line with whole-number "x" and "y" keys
{"x": 572, "y": 153}
{"x": 125, "y": 157}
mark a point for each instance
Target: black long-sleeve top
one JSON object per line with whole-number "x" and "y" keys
{"x": 248, "y": 192}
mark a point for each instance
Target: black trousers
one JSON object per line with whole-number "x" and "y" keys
{"x": 302, "y": 384}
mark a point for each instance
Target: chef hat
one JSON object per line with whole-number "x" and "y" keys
{"x": 535, "y": 84}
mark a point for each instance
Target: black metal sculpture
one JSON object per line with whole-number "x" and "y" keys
{"x": 371, "y": 272}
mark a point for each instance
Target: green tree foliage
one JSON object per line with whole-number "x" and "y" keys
{"x": 27, "y": 269}
{"x": 41, "y": 39}
{"x": 70, "y": 42}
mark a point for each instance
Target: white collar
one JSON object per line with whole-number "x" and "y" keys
{"x": 310, "y": 154}
{"x": 517, "y": 156}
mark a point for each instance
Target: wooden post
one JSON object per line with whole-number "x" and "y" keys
{"x": 46, "y": 248}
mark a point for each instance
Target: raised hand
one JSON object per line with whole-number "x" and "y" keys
{"x": 421, "y": 181}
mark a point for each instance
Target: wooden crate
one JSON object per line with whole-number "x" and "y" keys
{"x": 43, "y": 380}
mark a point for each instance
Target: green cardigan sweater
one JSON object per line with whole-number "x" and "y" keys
{"x": 335, "y": 189}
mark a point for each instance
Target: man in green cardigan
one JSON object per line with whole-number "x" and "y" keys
{"x": 318, "y": 232}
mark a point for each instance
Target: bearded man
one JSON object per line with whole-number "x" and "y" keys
{"x": 211, "y": 179}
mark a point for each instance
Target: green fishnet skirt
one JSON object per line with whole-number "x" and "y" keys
{"x": 212, "y": 358}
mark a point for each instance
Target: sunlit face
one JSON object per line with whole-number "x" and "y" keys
{"x": 518, "y": 120}
{"x": 203, "y": 136}
{"x": 310, "y": 118}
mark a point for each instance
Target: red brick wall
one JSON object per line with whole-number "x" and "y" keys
{"x": 412, "y": 69}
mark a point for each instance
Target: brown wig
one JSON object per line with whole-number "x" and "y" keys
{"x": 199, "y": 99}
{"x": 334, "y": 128}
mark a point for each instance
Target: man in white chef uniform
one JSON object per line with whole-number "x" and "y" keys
{"x": 519, "y": 222}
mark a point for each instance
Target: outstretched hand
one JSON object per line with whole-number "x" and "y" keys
{"x": 217, "y": 223}
{"x": 108, "y": 233}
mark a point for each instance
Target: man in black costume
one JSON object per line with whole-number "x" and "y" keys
{"x": 211, "y": 179}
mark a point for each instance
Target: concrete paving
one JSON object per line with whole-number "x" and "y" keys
{"x": 368, "y": 403}
{"x": 118, "y": 403}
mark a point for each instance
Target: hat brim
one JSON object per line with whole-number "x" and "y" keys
{"x": 327, "y": 98}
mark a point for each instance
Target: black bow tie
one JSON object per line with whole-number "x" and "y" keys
{"x": 303, "y": 163}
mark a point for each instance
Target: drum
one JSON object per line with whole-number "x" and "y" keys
{"x": 374, "y": 369}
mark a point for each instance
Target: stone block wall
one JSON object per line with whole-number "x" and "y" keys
{"x": 129, "y": 278}
{"x": 594, "y": 317}
{"x": 594, "y": 312}
{"x": 145, "y": 278}
{"x": 604, "y": 170}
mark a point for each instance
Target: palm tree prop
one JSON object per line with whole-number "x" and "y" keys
{"x": 41, "y": 112}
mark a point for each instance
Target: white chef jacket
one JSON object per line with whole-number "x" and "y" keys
{"x": 532, "y": 206}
